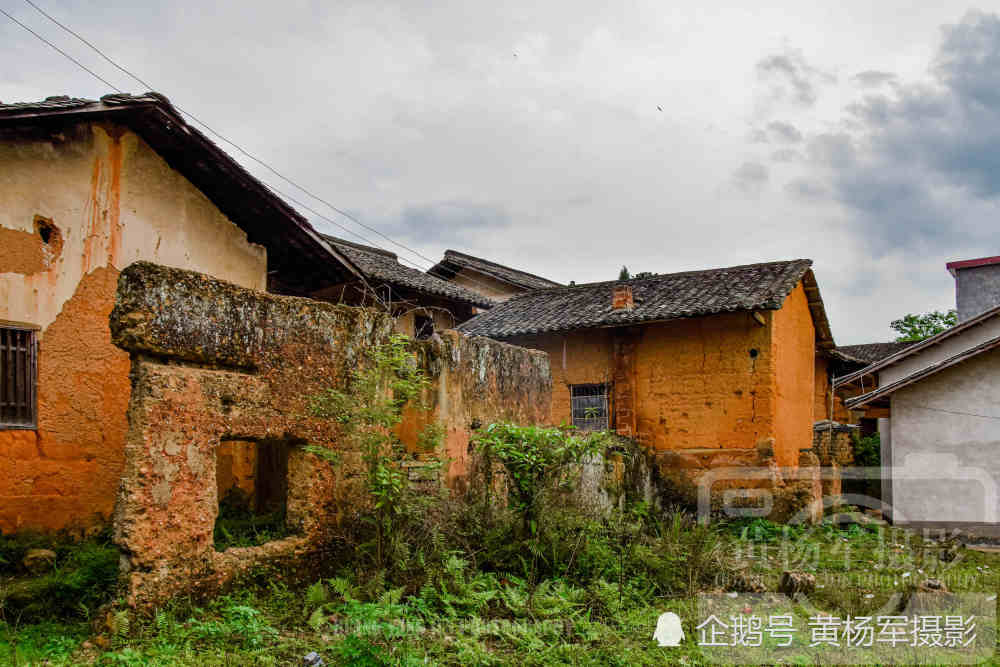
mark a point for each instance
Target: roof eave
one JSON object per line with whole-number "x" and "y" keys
{"x": 921, "y": 345}
{"x": 922, "y": 373}
{"x": 164, "y": 128}
{"x": 620, "y": 325}
{"x": 824, "y": 335}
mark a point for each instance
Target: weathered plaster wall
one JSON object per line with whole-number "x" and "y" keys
{"x": 104, "y": 199}
{"x": 947, "y": 348}
{"x": 485, "y": 285}
{"x": 793, "y": 348}
{"x": 242, "y": 366}
{"x": 576, "y": 357}
{"x": 944, "y": 457}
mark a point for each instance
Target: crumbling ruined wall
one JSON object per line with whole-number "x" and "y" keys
{"x": 213, "y": 362}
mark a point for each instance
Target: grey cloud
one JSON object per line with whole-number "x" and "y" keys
{"x": 792, "y": 78}
{"x": 446, "y": 222}
{"x": 417, "y": 118}
{"x": 806, "y": 190}
{"x": 833, "y": 150}
{"x": 968, "y": 62}
{"x": 751, "y": 177}
{"x": 873, "y": 110}
{"x": 784, "y": 132}
{"x": 874, "y": 78}
{"x": 920, "y": 168}
{"x": 786, "y": 155}
{"x": 777, "y": 132}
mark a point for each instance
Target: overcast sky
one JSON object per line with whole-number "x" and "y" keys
{"x": 571, "y": 138}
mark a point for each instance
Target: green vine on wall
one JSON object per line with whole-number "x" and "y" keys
{"x": 368, "y": 413}
{"x": 534, "y": 456}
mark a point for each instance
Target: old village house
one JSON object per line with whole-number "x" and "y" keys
{"x": 710, "y": 365}
{"x": 421, "y": 302}
{"x": 87, "y": 189}
{"x": 493, "y": 280}
{"x": 937, "y": 403}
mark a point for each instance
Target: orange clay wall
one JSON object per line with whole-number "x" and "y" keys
{"x": 576, "y": 357}
{"x": 700, "y": 388}
{"x": 821, "y": 406}
{"x": 793, "y": 344}
{"x": 696, "y": 384}
{"x": 822, "y": 410}
{"x": 111, "y": 200}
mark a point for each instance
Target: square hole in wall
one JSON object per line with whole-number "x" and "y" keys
{"x": 252, "y": 483}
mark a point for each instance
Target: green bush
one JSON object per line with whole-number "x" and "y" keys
{"x": 534, "y": 456}
{"x": 868, "y": 450}
{"x": 84, "y": 577}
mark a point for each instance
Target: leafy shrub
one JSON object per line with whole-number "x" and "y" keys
{"x": 368, "y": 412}
{"x": 84, "y": 577}
{"x": 533, "y": 456}
{"x": 868, "y": 450}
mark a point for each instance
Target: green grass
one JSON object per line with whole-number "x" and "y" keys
{"x": 583, "y": 593}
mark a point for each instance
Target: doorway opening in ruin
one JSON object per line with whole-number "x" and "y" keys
{"x": 252, "y": 482}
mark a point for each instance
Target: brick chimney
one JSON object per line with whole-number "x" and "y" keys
{"x": 977, "y": 285}
{"x": 621, "y": 298}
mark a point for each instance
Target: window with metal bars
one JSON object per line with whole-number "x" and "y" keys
{"x": 18, "y": 378}
{"x": 589, "y": 405}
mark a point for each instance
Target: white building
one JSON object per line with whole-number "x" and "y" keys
{"x": 939, "y": 406}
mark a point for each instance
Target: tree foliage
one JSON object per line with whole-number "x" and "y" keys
{"x": 624, "y": 274}
{"x": 918, "y": 327}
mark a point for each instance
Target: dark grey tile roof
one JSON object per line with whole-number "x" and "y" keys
{"x": 384, "y": 266}
{"x": 660, "y": 297}
{"x": 455, "y": 261}
{"x": 869, "y": 353}
{"x": 53, "y": 103}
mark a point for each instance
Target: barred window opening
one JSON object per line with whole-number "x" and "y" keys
{"x": 589, "y": 403}
{"x": 18, "y": 378}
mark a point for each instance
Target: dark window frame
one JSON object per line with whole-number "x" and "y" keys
{"x": 587, "y": 397}
{"x": 423, "y": 326}
{"x": 18, "y": 377}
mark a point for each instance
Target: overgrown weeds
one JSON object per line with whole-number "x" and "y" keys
{"x": 368, "y": 412}
{"x": 81, "y": 577}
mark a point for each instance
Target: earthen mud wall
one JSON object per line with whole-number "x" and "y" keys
{"x": 213, "y": 363}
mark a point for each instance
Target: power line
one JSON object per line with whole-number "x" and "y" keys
{"x": 953, "y": 412}
{"x": 239, "y": 148}
{"x": 78, "y": 63}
